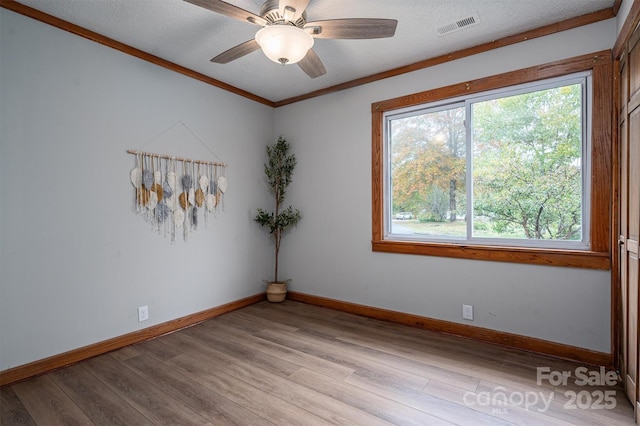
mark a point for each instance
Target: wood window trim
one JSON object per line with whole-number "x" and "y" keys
{"x": 599, "y": 257}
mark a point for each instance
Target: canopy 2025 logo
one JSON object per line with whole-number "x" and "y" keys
{"x": 499, "y": 399}
{"x": 584, "y": 399}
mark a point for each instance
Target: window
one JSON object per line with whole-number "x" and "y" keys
{"x": 516, "y": 159}
{"x": 514, "y": 173}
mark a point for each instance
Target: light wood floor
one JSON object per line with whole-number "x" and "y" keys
{"x": 297, "y": 364}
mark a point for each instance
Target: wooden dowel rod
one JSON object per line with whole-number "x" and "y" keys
{"x": 151, "y": 154}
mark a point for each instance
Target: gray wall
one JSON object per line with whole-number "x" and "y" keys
{"x": 623, "y": 12}
{"x": 75, "y": 261}
{"x": 329, "y": 254}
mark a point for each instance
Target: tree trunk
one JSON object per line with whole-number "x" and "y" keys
{"x": 276, "y": 234}
{"x": 452, "y": 200}
{"x": 275, "y": 275}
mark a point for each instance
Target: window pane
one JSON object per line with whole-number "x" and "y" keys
{"x": 527, "y": 165}
{"x": 428, "y": 169}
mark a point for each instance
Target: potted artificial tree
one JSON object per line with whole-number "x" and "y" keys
{"x": 278, "y": 172}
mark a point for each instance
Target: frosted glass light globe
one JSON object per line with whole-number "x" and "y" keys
{"x": 284, "y": 44}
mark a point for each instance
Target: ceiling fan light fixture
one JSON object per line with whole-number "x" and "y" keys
{"x": 284, "y": 44}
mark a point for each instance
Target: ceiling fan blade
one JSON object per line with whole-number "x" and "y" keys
{"x": 236, "y": 52}
{"x": 355, "y": 28}
{"x": 312, "y": 65}
{"x": 291, "y": 10}
{"x": 230, "y": 10}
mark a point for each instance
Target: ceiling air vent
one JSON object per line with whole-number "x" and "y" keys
{"x": 469, "y": 21}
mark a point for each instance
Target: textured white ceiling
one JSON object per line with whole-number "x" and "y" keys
{"x": 190, "y": 36}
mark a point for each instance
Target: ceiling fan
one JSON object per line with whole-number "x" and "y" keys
{"x": 287, "y": 38}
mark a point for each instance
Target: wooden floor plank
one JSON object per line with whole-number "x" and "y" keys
{"x": 100, "y": 403}
{"x": 144, "y": 396}
{"x": 288, "y": 313}
{"x": 334, "y": 337}
{"x": 441, "y": 408}
{"x": 48, "y": 404}
{"x": 426, "y": 342}
{"x": 212, "y": 405}
{"x": 453, "y": 353}
{"x": 401, "y": 363}
{"x": 559, "y": 407}
{"x": 270, "y": 362}
{"x": 384, "y": 408}
{"x": 451, "y": 361}
{"x": 272, "y": 408}
{"x": 158, "y": 348}
{"x": 359, "y": 365}
{"x": 292, "y": 363}
{"x": 308, "y": 399}
{"x": 330, "y": 337}
{"x": 239, "y": 319}
{"x": 12, "y": 410}
{"x": 516, "y": 414}
{"x": 126, "y": 353}
{"x": 288, "y": 354}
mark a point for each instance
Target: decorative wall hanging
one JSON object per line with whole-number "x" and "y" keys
{"x": 172, "y": 193}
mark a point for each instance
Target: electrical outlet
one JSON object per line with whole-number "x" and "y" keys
{"x": 143, "y": 313}
{"x": 467, "y": 312}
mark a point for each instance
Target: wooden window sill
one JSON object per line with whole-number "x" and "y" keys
{"x": 535, "y": 256}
